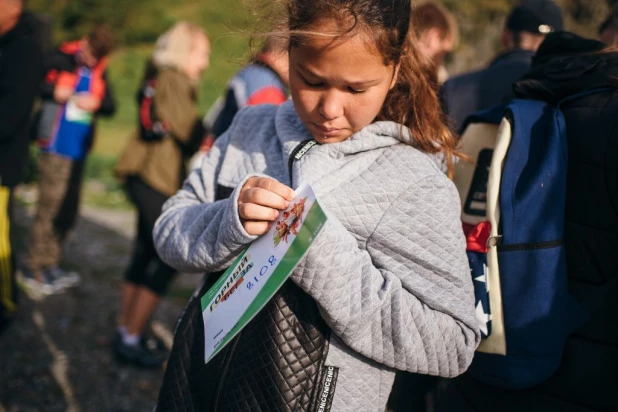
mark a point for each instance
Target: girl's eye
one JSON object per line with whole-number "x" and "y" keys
{"x": 308, "y": 83}
{"x": 355, "y": 91}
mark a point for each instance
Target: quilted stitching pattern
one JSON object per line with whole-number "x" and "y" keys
{"x": 389, "y": 272}
{"x": 187, "y": 384}
{"x": 272, "y": 366}
{"x": 407, "y": 282}
{"x": 276, "y": 368}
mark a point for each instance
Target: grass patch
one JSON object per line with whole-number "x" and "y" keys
{"x": 111, "y": 138}
{"x": 107, "y": 199}
{"x": 102, "y": 188}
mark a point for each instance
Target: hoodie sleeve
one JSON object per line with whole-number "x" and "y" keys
{"x": 405, "y": 299}
{"x": 195, "y": 233}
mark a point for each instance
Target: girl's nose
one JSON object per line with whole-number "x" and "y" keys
{"x": 331, "y": 105}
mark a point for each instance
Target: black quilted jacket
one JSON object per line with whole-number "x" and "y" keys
{"x": 288, "y": 339}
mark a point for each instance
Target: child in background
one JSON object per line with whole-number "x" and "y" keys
{"x": 75, "y": 91}
{"x": 386, "y": 284}
{"x": 263, "y": 81}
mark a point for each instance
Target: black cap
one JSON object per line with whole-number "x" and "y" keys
{"x": 535, "y": 16}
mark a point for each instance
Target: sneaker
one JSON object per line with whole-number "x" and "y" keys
{"x": 43, "y": 284}
{"x": 63, "y": 277}
{"x": 138, "y": 355}
{"x": 154, "y": 343}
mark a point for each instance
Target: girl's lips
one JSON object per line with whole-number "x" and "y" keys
{"x": 327, "y": 131}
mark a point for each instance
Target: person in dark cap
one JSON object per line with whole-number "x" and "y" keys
{"x": 608, "y": 32}
{"x": 526, "y": 27}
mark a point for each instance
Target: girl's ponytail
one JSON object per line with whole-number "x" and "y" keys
{"x": 414, "y": 103}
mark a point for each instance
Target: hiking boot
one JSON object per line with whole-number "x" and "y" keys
{"x": 63, "y": 277}
{"x": 138, "y": 355}
{"x": 40, "y": 282}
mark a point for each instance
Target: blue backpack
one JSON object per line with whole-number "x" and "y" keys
{"x": 513, "y": 209}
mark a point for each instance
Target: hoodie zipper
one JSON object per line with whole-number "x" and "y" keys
{"x": 298, "y": 152}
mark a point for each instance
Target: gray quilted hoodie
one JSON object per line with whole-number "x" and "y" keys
{"x": 388, "y": 271}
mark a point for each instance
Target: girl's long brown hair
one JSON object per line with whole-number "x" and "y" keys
{"x": 413, "y": 102}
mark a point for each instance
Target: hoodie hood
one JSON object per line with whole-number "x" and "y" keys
{"x": 291, "y": 130}
{"x": 566, "y": 64}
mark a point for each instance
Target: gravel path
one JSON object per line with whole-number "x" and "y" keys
{"x": 56, "y": 355}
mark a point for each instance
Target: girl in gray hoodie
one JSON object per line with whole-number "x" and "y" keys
{"x": 386, "y": 283}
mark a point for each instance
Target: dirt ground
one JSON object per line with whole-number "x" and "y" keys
{"x": 56, "y": 356}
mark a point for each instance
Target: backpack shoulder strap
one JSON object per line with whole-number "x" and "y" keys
{"x": 580, "y": 95}
{"x": 492, "y": 115}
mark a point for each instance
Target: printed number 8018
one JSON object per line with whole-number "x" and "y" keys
{"x": 263, "y": 271}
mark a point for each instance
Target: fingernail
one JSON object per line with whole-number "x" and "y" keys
{"x": 286, "y": 204}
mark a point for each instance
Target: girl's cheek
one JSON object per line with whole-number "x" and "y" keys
{"x": 307, "y": 99}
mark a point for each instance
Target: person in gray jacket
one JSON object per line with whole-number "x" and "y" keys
{"x": 386, "y": 284}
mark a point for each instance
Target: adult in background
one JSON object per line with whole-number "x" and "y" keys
{"x": 153, "y": 167}
{"x": 608, "y": 32}
{"x": 263, "y": 81}
{"x": 587, "y": 377}
{"x": 74, "y": 93}
{"x": 21, "y": 70}
{"x": 526, "y": 27}
{"x": 437, "y": 32}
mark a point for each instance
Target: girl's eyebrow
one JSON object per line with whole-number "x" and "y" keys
{"x": 357, "y": 84}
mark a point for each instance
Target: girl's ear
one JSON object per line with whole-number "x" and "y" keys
{"x": 395, "y": 77}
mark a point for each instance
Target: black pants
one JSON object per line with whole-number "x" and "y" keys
{"x": 146, "y": 268}
{"x": 410, "y": 392}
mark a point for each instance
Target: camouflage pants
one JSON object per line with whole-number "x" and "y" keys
{"x": 60, "y": 184}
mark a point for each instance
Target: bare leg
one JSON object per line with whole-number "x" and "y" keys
{"x": 129, "y": 294}
{"x": 144, "y": 305}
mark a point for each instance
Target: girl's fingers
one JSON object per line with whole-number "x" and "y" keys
{"x": 252, "y": 211}
{"x": 263, "y": 197}
{"x": 256, "y": 228}
{"x": 270, "y": 185}
{"x": 276, "y": 187}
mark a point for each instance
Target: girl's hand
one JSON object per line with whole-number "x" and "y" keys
{"x": 260, "y": 201}
{"x": 62, "y": 94}
{"x": 87, "y": 102}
